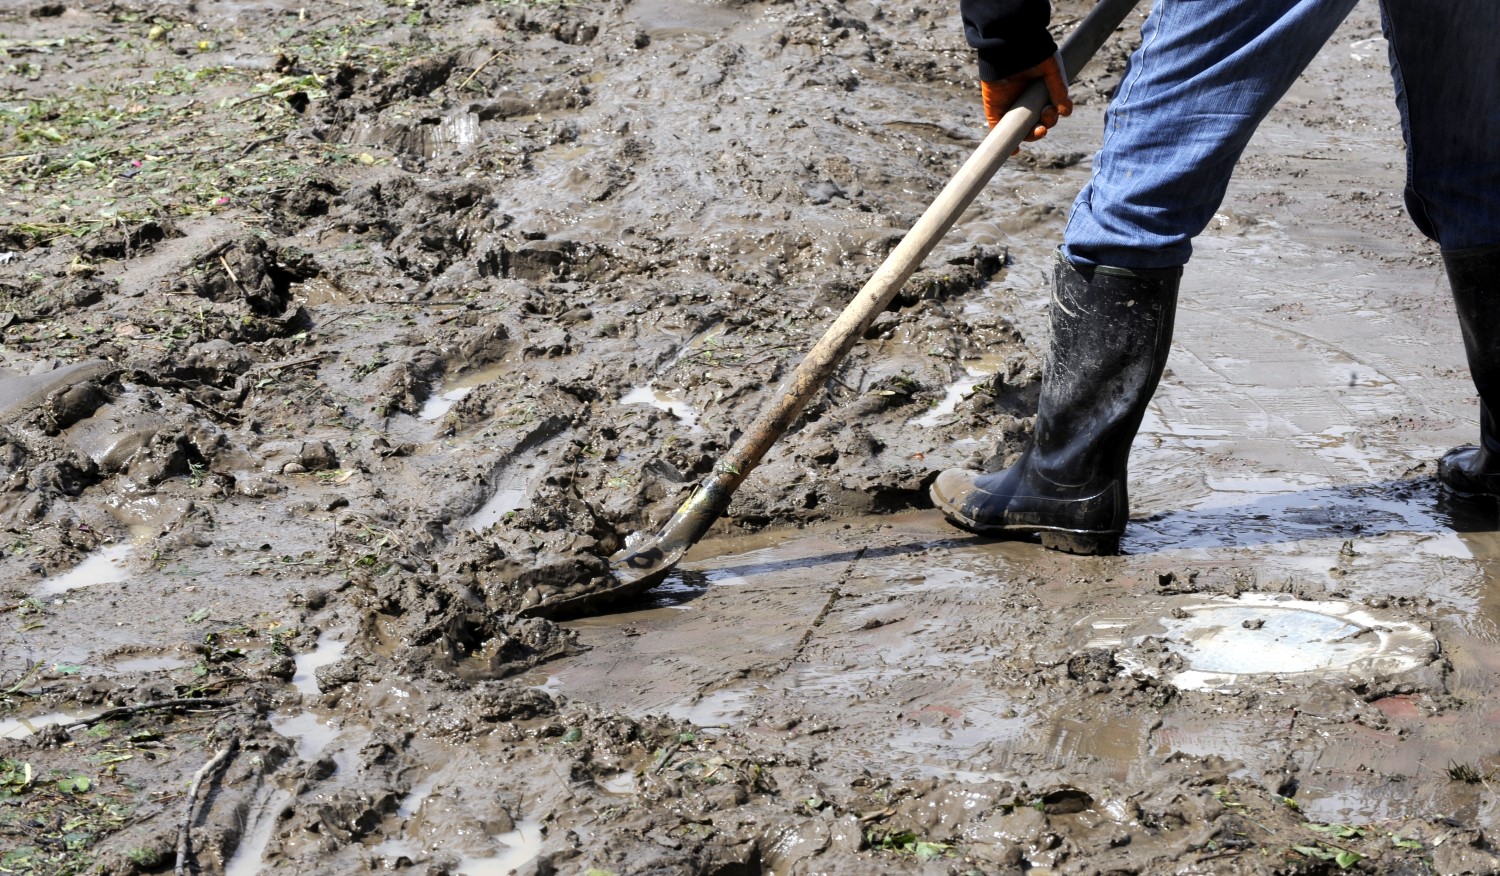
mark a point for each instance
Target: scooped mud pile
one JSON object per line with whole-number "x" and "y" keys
{"x": 335, "y": 337}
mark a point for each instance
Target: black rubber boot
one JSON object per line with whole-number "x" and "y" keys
{"x": 1111, "y": 332}
{"x": 1473, "y": 472}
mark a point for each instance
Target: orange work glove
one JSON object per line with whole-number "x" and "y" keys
{"x": 1000, "y": 96}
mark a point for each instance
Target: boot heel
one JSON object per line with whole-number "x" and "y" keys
{"x": 1088, "y": 544}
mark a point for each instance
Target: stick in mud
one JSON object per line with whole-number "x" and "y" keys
{"x": 185, "y": 835}
{"x": 181, "y": 703}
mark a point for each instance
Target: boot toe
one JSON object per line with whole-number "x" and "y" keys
{"x": 952, "y": 488}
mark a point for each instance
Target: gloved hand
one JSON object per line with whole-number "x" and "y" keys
{"x": 1000, "y": 96}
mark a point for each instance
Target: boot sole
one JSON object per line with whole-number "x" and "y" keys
{"x": 1070, "y": 541}
{"x": 1476, "y": 500}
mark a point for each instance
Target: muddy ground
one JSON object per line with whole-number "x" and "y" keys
{"x": 336, "y": 336}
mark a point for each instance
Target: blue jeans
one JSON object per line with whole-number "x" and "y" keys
{"x": 1208, "y": 72}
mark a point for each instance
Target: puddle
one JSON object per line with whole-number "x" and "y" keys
{"x": 656, "y": 17}
{"x": 521, "y": 847}
{"x": 326, "y": 651}
{"x": 451, "y": 134}
{"x": 246, "y": 860}
{"x": 104, "y": 566}
{"x": 311, "y": 735}
{"x": 20, "y": 728}
{"x": 665, "y": 401}
{"x": 551, "y": 687}
{"x": 623, "y": 784}
{"x": 440, "y": 403}
{"x": 494, "y": 510}
{"x": 149, "y": 664}
{"x": 1261, "y": 639}
{"x": 715, "y": 709}
{"x": 416, "y": 796}
{"x": 147, "y": 516}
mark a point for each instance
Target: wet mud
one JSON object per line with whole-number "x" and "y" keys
{"x": 334, "y": 341}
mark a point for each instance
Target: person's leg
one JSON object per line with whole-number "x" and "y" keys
{"x": 1206, "y": 74}
{"x": 1447, "y": 73}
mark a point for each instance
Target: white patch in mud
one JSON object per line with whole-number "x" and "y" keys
{"x": 326, "y": 651}
{"x": 494, "y": 510}
{"x": 438, "y": 405}
{"x": 956, "y": 392}
{"x": 665, "y": 401}
{"x": 622, "y": 784}
{"x": 1261, "y": 639}
{"x": 521, "y": 847}
{"x": 104, "y": 566}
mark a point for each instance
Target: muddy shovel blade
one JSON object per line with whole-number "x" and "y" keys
{"x": 647, "y": 561}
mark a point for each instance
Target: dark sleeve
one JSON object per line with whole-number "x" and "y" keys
{"x": 1010, "y": 35}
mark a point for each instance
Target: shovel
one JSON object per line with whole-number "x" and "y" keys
{"x": 647, "y": 560}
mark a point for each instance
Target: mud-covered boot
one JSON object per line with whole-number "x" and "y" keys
{"x": 1111, "y": 332}
{"x": 1473, "y": 472}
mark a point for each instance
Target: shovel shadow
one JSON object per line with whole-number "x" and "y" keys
{"x": 685, "y": 585}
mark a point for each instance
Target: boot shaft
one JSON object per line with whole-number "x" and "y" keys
{"x": 1474, "y": 276}
{"x": 1111, "y": 333}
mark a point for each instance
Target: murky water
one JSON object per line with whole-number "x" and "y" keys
{"x": 107, "y": 565}
{"x": 909, "y": 667}
{"x": 248, "y": 857}
{"x": 441, "y": 402}
{"x": 329, "y": 648}
{"x": 1261, "y": 639}
{"x": 22, "y": 727}
{"x": 519, "y": 848}
{"x": 522, "y": 845}
{"x": 664, "y": 400}
{"x": 149, "y": 664}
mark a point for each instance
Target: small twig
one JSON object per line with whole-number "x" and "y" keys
{"x": 244, "y": 100}
{"x": 181, "y": 703}
{"x": 256, "y": 144}
{"x": 294, "y": 363}
{"x": 231, "y": 274}
{"x": 184, "y": 836}
{"x": 16, "y": 688}
{"x": 464, "y": 84}
{"x": 666, "y": 757}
